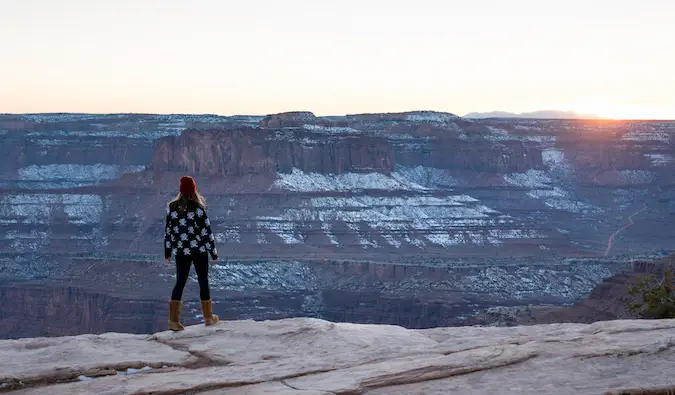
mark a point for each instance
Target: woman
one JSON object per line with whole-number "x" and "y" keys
{"x": 188, "y": 237}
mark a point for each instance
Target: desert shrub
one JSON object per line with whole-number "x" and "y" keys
{"x": 653, "y": 297}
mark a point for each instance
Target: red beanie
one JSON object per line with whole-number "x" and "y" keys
{"x": 188, "y": 186}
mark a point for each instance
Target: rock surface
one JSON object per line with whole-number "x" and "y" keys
{"x": 309, "y": 356}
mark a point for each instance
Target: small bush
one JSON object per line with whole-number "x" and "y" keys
{"x": 654, "y": 298}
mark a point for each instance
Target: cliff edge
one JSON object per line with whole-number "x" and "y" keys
{"x": 303, "y": 356}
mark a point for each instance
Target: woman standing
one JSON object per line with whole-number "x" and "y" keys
{"x": 188, "y": 237}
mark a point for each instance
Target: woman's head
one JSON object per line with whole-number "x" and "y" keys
{"x": 188, "y": 186}
{"x": 188, "y": 192}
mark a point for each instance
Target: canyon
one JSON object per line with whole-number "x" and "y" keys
{"x": 418, "y": 219}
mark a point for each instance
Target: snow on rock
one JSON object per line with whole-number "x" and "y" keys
{"x": 27, "y": 241}
{"x": 311, "y": 356}
{"x": 636, "y": 176}
{"x": 284, "y": 229}
{"x": 651, "y": 135}
{"x": 542, "y": 187}
{"x": 556, "y": 161}
{"x": 277, "y": 276}
{"x": 299, "y": 181}
{"x": 326, "y": 227}
{"x": 447, "y": 221}
{"x": 430, "y": 116}
{"x": 37, "y": 208}
{"x": 229, "y": 236}
{"x": 660, "y": 160}
{"x": 91, "y": 174}
{"x": 573, "y": 206}
{"x": 546, "y": 193}
{"x": 499, "y": 134}
{"x": 530, "y": 179}
{"x": 331, "y": 129}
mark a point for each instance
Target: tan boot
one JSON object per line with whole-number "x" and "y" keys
{"x": 174, "y": 316}
{"x": 207, "y": 312}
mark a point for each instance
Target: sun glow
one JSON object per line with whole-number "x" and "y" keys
{"x": 623, "y": 111}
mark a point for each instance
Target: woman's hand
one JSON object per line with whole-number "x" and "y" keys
{"x": 214, "y": 261}
{"x": 168, "y": 260}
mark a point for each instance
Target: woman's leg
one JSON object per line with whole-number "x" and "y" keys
{"x": 201, "y": 263}
{"x": 175, "y": 304}
{"x": 182, "y": 273}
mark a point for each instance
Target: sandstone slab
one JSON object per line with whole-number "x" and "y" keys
{"x": 304, "y": 356}
{"x": 44, "y": 360}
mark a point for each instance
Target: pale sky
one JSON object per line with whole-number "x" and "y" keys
{"x": 612, "y": 58}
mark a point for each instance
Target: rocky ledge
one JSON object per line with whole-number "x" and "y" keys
{"x": 310, "y": 356}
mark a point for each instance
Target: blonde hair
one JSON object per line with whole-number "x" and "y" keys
{"x": 182, "y": 200}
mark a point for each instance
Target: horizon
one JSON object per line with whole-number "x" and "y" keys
{"x": 524, "y": 115}
{"x": 608, "y": 59}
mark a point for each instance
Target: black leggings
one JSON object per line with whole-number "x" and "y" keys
{"x": 183, "y": 263}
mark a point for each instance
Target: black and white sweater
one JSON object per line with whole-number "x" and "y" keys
{"x": 188, "y": 232}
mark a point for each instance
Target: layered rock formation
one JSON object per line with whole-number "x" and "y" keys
{"x": 408, "y": 184}
{"x": 246, "y": 152}
{"x": 486, "y": 204}
{"x": 308, "y": 356}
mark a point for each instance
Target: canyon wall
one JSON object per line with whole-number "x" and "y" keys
{"x": 245, "y": 152}
{"x": 487, "y": 203}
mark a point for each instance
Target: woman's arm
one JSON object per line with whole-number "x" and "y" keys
{"x": 207, "y": 233}
{"x": 167, "y": 234}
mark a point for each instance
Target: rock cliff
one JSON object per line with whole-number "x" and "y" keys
{"x": 52, "y": 310}
{"x": 309, "y": 356}
{"x": 246, "y": 152}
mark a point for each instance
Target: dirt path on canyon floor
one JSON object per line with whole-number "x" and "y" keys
{"x": 610, "y": 241}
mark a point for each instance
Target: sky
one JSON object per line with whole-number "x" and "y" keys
{"x": 614, "y": 58}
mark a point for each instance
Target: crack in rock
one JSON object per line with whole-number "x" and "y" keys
{"x": 644, "y": 391}
{"x": 69, "y": 375}
{"x": 202, "y": 359}
{"x": 431, "y": 373}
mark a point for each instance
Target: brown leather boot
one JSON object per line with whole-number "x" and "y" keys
{"x": 207, "y": 312}
{"x": 174, "y": 316}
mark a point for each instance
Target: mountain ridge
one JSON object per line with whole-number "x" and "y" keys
{"x": 541, "y": 114}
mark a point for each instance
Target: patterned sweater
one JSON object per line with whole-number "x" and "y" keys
{"x": 188, "y": 232}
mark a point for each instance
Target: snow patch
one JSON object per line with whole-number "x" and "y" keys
{"x": 299, "y": 181}
{"x": 430, "y": 116}
{"x": 229, "y": 236}
{"x": 27, "y": 242}
{"x": 660, "y": 160}
{"x": 546, "y": 193}
{"x": 636, "y": 176}
{"x": 530, "y": 179}
{"x": 133, "y": 371}
{"x": 283, "y": 229}
{"x": 38, "y": 208}
{"x": 74, "y": 173}
{"x": 647, "y": 136}
{"x": 573, "y": 206}
{"x": 327, "y": 227}
{"x": 331, "y": 129}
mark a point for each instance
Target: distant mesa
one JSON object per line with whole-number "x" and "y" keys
{"x": 288, "y": 119}
{"x": 544, "y": 114}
